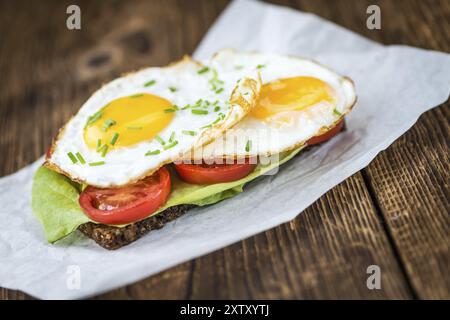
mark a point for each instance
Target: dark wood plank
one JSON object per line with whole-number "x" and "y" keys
{"x": 410, "y": 183}
{"x": 410, "y": 179}
{"x": 321, "y": 254}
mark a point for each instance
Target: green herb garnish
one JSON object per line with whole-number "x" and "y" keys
{"x": 114, "y": 138}
{"x": 94, "y": 117}
{"x": 80, "y": 158}
{"x": 72, "y": 157}
{"x": 108, "y": 123}
{"x": 173, "y": 89}
{"x": 220, "y": 117}
{"x": 171, "y": 145}
{"x": 172, "y": 136}
{"x": 189, "y": 132}
{"x": 248, "y": 146}
{"x": 150, "y": 83}
{"x": 336, "y": 112}
{"x": 203, "y": 70}
{"x": 260, "y": 66}
{"x": 216, "y": 109}
{"x": 99, "y": 143}
{"x": 197, "y": 111}
{"x": 219, "y": 90}
{"x": 104, "y": 150}
{"x": 160, "y": 140}
{"x": 152, "y": 153}
{"x": 99, "y": 163}
{"x": 169, "y": 110}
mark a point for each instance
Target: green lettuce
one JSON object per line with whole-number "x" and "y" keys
{"x": 55, "y": 197}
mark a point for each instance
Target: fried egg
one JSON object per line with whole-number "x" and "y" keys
{"x": 137, "y": 123}
{"x": 299, "y": 99}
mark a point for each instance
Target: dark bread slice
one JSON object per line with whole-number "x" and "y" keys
{"x": 112, "y": 238}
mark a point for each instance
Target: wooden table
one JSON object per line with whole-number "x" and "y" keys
{"x": 394, "y": 213}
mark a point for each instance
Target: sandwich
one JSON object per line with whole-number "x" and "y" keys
{"x": 147, "y": 147}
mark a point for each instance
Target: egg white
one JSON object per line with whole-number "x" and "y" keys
{"x": 273, "y": 137}
{"x": 128, "y": 164}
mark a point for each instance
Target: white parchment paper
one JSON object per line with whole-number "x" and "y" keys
{"x": 395, "y": 84}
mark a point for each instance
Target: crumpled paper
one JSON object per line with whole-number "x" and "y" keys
{"x": 395, "y": 85}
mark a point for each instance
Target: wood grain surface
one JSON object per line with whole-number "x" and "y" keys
{"x": 394, "y": 213}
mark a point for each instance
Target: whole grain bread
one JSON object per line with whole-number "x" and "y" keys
{"x": 112, "y": 238}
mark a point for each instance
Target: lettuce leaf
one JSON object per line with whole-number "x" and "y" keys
{"x": 55, "y": 197}
{"x": 54, "y": 201}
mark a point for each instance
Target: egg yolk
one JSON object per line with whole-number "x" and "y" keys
{"x": 291, "y": 94}
{"x": 128, "y": 120}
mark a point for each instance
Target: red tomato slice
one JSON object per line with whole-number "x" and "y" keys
{"x": 214, "y": 173}
{"x": 327, "y": 135}
{"x": 48, "y": 154}
{"x": 128, "y": 204}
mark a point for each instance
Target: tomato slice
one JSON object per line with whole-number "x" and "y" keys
{"x": 48, "y": 154}
{"x": 327, "y": 135}
{"x": 214, "y": 173}
{"x": 128, "y": 204}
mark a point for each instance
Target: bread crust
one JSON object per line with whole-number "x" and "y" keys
{"x": 112, "y": 238}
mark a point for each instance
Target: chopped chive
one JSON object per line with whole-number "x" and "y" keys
{"x": 260, "y": 66}
{"x": 171, "y": 145}
{"x": 217, "y": 120}
{"x": 114, "y": 138}
{"x": 186, "y": 107}
{"x": 150, "y": 83}
{"x": 160, "y": 140}
{"x": 99, "y": 163}
{"x": 248, "y": 146}
{"x": 99, "y": 143}
{"x": 72, "y": 157}
{"x": 152, "y": 153}
{"x": 219, "y": 90}
{"x": 198, "y": 102}
{"x": 175, "y": 107}
{"x": 336, "y": 112}
{"x": 108, "y": 123}
{"x": 104, "y": 150}
{"x": 173, "y": 89}
{"x": 216, "y": 109}
{"x": 246, "y": 94}
{"x": 172, "y": 136}
{"x": 239, "y": 80}
{"x": 134, "y": 127}
{"x": 206, "y": 127}
{"x": 100, "y": 147}
{"x": 80, "y": 158}
{"x": 189, "y": 132}
{"x": 216, "y": 103}
{"x": 94, "y": 118}
{"x": 203, "y": 70}
{"x": 197, "y": 111}
{"x": 169, "y": 110}
{"x": 137, "y": 95}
